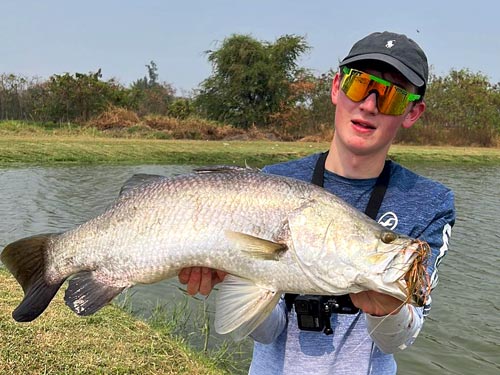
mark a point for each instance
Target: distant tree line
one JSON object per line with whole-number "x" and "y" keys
{"x": 78, "y": 97}
{"x": 254, "y": 84}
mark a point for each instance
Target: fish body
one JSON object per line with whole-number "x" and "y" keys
{"x": 272, "y": 234}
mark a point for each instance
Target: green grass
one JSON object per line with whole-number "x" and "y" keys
{"x": 84, "y": 149}
{"x": 89, "y": 150}
{"x": 109, "y": 342}
{"x": 62, "y": 144}
{"x": 445, "y": 154}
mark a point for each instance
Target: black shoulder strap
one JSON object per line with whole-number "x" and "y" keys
{"x": 318, "y": 177}
{"x": 378, "y": 192}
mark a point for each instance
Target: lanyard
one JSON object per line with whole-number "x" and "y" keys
{"x": 377, "y": 195}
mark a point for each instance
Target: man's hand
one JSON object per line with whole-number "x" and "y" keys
{"x": 375, "y": 303}
{"x": 200, "y": 279}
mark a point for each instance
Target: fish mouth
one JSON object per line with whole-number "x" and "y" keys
{"x": 418, "y": 285}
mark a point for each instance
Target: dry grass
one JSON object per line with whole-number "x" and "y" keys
{"x": 114, "y": 117}
{"x": 115, "y": 120}
{"x": 110, "y": 342}
{"x": 191, "y": 128}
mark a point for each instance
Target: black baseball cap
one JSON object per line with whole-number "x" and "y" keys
{"x": 394, "y": 49}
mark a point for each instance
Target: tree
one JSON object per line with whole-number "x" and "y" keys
{"x": 250, "y": 80}
{"x": 149, "y": 96}
{"x": 466, "y": 104}
{"x": 12, "y": 88}
{"x": 181, "y": 108}
{"x": 74, "y": 97}
{"x": 309, "y": 109}
{"x": 149, "y": 81}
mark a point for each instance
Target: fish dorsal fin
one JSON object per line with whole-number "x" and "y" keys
{"x": 240, "y": 306}
{"x": 225, "y": 169}
{"x": 255, "y": 246}
{"x": 137, "y": 180}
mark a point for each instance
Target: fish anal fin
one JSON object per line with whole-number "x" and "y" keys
{"x": 255, "y": 246}
{"x": 86, "y": 294}
{"x": 240, "y": 306}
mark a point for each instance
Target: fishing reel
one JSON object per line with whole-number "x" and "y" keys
{"x": 314, "y": 312}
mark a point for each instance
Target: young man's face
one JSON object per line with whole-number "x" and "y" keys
{"x": 359, "y": 126}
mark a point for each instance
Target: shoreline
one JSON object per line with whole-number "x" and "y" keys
{"x": 39, "y": 150}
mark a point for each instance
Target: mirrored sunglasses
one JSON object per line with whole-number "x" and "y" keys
{"x": 391, "y": 99}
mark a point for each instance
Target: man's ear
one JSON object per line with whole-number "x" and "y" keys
{"x": 414, "y": 114}
{"x": 335, "y": 88}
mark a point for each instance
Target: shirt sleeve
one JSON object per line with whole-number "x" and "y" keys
{"x": 272, "y": 326}
{"x": 437, "y": 235}
{"x": 393, "y": 333}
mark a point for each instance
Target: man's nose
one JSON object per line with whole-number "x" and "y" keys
{"x": 369, "y": 104}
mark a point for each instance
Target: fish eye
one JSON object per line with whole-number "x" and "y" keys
{"x": 388, "y": 236}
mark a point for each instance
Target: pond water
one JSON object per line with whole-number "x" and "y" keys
{"x": 461, "y": 336}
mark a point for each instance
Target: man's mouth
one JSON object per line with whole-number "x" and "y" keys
{"x": 364, "y": 125}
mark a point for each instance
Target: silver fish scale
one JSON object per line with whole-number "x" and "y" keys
{"x": 152, "y": 232}
{"x": 157, "y": 229}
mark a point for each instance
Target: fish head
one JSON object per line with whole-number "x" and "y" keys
{"x": 382, "y": 260}
{"x": 341, "y": 250}
{"x": 401, "y": 262}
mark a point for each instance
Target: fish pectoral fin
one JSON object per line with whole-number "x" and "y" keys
{"x": 255, "y": 246}
{"x": 240, "y": 306}
{"x": 86, "y": 294}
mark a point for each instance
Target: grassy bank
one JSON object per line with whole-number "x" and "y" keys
{"x": 110, "y": 342}
{"x": 85, "y": 149}
{"x": 93, "y": 150}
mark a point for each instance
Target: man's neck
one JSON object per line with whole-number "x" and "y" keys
{"x": 354, "y": 166}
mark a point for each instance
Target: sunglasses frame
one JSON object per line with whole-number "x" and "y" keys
{"x": 408, "y": 96}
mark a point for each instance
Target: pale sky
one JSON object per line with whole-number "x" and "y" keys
{"x": 41, "y": 38}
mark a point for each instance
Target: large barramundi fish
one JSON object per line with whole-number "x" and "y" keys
{"x": 272, "y": 235}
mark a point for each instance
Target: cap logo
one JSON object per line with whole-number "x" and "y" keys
{"x": 390, "y": 43}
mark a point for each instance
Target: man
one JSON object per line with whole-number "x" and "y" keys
{"x": 378, "y": 89}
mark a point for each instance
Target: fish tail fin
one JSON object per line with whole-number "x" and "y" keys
{"x": 26, "y": 260}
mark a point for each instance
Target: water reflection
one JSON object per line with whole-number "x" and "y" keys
{"x": 462, "y": 335}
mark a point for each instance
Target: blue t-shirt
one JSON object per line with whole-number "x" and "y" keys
{"x": 360, "y": 343}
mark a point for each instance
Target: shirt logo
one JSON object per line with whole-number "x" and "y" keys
{"x": 390, "y": 43}
{"x": 389, "y": 220}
